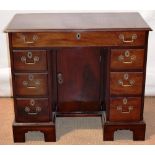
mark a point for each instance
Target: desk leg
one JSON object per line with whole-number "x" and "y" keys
{"x": 138, "y": 129}
{"x": 19, "y": 130}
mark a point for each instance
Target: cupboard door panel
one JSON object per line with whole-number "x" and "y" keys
{"x": 78, "y": 75}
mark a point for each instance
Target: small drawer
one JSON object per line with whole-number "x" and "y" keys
{"x": 79, "y": 38}
{"x": 130, "y": 83}
{"x": 31, "y": 84}
{"x": 125, "y": 109}
{"x": 32, "y": 110}
{"x": 127, "y": 59}
{"x": 29, "y": 60}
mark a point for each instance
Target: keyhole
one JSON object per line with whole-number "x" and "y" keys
{"x": 29, "y": 55}
{"x": 78, "y": 36}
{"x": 126, "y": 76}
{"x": 60, "y": 78}
{"x": 127, "y": 53}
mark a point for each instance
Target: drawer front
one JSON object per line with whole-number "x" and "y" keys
{"x": 32, "y": 110}
{"x": 125, "y": 109}
{"x": 126, "y": 83}
{"x": 31, "y": 84}
{"x": 29, "y": 60}
{"x": 81, "y": 38}
{"x": 127, "y": 59}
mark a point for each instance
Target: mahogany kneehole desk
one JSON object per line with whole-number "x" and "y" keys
{"x": 78, "y": 64}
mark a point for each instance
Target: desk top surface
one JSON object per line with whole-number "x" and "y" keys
{"x": 38, "y": 22}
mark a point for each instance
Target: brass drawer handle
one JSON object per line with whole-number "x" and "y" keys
{"x": 122, "y": 58}
{"x": 37, "y": 110}
{"x": 31, "y": 87}
{"x": 31, "y": 83}
{"x": 133, "y": 38}
{"x": 34, "y": 39}
{"x": 32, "y": 104}
{"x": 120, "y": 108}
{"x": 131, "y": 83}
{"x": 29, "y": 56}
{"x": 126, "y": 78}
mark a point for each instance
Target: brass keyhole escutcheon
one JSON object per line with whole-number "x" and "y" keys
{"x": 78, "y": 36}
{"x": 60, "y": 78}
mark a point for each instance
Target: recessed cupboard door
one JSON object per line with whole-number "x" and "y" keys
{"x": 78, "y": 78}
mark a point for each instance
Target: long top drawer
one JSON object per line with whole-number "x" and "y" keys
{"x": 78, "y": 38}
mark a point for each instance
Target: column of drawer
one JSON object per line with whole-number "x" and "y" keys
{"x": 126, "y": 82}
{"x": 31, "y": 86}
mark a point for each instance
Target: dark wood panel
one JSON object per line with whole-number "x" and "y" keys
{"x": 79, "y": 38}
{"x": 47, "y": 128}
{"x": 73, "y": 21}
{"x": 125, "y": 109}
{"x": 127, "y": 59}
{"x": 130, "y": 83}
{"x": 138, "y": 129}
{"x": 30, "y": 60}
{"x": 31, "y": 84}
{"x": 144, "y": 73}
{"x": 80, "y": 69}
{"x": 87, "y": 83}
{"x": 32, "y": 110}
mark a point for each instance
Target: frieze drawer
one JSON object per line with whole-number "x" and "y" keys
{"x": 79, "y": 38}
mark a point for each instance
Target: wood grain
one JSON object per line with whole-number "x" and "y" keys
{"x": 72, "y": 21}
{"x": 125, "y": 114}
{"x": 40, "y": 89}
{"x": 30, "y": 64}
{"x": 23, "y": 116}
{"x": 48, "y": 128}
{"x": 80, "y": 90}
{"x": 138, "y": 129}
{"x": 135, "y": 60}
{"x": 84, "y": 48}
{"x": 69, "y": 39}
{"x": 117, "y": 89}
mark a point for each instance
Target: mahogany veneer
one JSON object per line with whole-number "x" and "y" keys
{"x": 78, "y": 64}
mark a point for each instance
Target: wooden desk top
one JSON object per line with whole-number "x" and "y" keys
{"x": 42, "y": 22}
